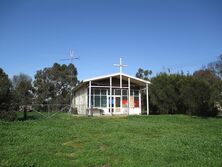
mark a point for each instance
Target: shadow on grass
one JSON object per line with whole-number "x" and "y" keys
{"x": 30, "y": 116}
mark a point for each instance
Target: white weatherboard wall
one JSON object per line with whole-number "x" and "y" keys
{"x": 81, "y": 100}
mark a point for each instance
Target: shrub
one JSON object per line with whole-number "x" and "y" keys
{"x": 199, "y": 94}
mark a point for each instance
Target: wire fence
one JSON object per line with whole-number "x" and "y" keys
{"x": 39, "y": 110}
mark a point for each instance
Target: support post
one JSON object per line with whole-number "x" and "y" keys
{"x": 121, "y": 81}
{"x": 121, "y": 92}
{"x": 110, "y": 95}
{"x": 90, "y": 106}
{"x": 128, "y": 96}
{"x": 140, "y": 101}
{"x": 147, "y": 100}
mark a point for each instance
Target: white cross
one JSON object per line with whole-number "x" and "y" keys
{"x": 120, "y": 65}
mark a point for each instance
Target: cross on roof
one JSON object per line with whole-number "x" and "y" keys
{"x": 120, "y": 65}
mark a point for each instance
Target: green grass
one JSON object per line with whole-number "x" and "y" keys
{"x": 64, "y": 140}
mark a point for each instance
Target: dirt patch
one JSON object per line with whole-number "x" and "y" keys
{"x": 75, "y": 144}
{"x": 103, "y": 147}
{"x": 70, "y": 155}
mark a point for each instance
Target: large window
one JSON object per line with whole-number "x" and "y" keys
{"x": 97, "y": 101}
{"x": 136, "y": 98}
{"x": 103, "y": 101}
{"x": 136, "y": 101}
{"x": 125, "y": 102}
{"x": 99, "y": 98}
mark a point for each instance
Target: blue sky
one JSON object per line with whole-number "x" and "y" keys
{"x": 152, "y": 34}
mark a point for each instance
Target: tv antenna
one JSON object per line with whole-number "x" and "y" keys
{"x": 71, "y": 59}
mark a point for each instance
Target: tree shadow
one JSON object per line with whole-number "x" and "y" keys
{"x": 30, "y": 116}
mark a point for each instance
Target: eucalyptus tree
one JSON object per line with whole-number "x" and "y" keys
{"x": 53, "y": 85}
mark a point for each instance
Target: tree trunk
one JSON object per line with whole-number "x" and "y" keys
{"x": 25, "y": 113}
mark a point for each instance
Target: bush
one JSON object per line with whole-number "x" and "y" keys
{"x": 198, "y": 97}
{"x": 8, "y": 115}
{"x": 165, "y": 94}
{"x": 185, "y": 94}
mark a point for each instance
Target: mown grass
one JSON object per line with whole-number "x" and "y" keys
{"x": 65, "y": 140}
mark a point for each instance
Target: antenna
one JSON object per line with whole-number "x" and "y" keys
{"x": 71, "y": 59}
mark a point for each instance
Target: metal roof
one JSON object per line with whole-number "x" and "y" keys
{"x": 115, "y": 74}
{"x": 124, "y": 76}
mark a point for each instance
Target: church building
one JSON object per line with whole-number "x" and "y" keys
{"x": 114, "y": 94}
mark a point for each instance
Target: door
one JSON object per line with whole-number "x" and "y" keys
{"x": 116, "y": 102}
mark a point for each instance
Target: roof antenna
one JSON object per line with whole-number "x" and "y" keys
{"x": 71, "y": 59}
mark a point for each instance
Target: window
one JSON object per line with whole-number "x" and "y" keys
{"x": 99, "y": 98}
{"x": 124, "y": 102}
{"x": 124, "y": 92}
{"x": 131, "y": 92}
{"x": 97, "y": 101}
{"x": 97, "y": 91}
{"x": 117, "y": 101}
{"x": 103, "y": 92}
{"x": 117, "y": 92}
{"x": 103, "y": 101}
{"x": 136, "y": 93}
{"x": 136, "y": 101}
{"x": 136, "y": 98}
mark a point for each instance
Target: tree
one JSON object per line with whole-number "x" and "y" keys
{"x": 143, "y": 74}
{"x": 23, "y": 92}
{"x": 5, "y": 97}
{"x": 53, "y": 85}
{"x": 206, "y": 74}
{"x": 216, "y": 66}
{"x": 214, "y": 87}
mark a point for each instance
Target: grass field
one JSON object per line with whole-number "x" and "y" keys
{"x": 65, "y": 140}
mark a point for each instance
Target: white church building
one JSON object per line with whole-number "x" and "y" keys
{"x": 114, "y": 94}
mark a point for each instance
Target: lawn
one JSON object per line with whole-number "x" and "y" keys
{"x": 63, "y": 140}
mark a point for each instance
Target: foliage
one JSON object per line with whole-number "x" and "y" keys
{"x": 197, "y": 94}
{"x": 165, "y": 94}
{"x": 5, "y": 97}
{"x": 112, "y": 141}
{"x": 216, "y": 66}
{"x": 53, "y": 84}
{"x": 206, "y": 74}
{"x": 143, "y": 74}
{"x": 23, "y": 92}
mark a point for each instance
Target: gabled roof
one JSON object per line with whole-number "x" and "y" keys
{"x": 116, "y": 74}
{"x": 124, "y": 77}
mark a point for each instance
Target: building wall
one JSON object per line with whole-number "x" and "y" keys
{"x": 135, "y": 111}
{"x": 80, "y": 100}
